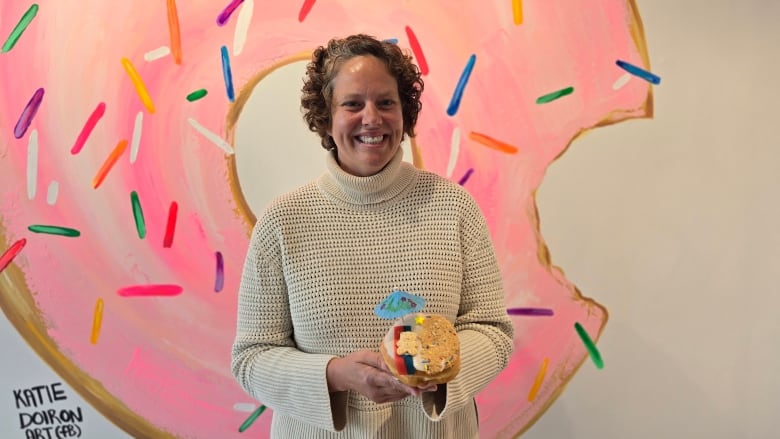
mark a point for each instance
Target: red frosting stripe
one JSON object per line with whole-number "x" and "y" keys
{"x": 400, "y": 364}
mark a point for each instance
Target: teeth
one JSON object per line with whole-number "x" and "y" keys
{"x": 367, "y": 139}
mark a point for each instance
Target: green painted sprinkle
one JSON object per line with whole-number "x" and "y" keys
{"x": 197, "y": 94}
{"x": 138, "y": 214}
{"x": 54, "y": 230}
{"x": 251, "y": 419}
{"x": 555, "y": 95}
{"x": 590, "y": 346}
{"x": 20, "y": 28}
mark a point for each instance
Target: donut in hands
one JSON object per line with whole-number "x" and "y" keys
{"x": 422, "y": 349}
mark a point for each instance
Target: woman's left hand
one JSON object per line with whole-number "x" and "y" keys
{"x": 365, "y": 372}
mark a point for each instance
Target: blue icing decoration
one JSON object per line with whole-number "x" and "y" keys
{"x": 409, "y": 362}
{"x": 398, "y": 304}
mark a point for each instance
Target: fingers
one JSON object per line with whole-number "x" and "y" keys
{"x": 428, "y": 388}
{"x": 370, "y": 358}
{"x": 414, "y": 391}
{"x": 419, "y": 390}
{"x": 383, "y": 387}
{"x": 370, "y": 377}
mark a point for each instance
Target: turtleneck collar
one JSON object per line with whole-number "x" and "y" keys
{"x": 372, "y": 191}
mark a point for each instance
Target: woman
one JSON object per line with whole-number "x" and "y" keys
{"x": 324, "y": 255}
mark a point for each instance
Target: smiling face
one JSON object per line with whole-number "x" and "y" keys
{"x": 366, "y": 116}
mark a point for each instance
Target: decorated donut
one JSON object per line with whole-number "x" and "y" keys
{"x": 124, "y": 224}
{"x": 422, "y": 349}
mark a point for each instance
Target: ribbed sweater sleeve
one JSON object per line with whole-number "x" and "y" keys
{"x": 266, "y": 362}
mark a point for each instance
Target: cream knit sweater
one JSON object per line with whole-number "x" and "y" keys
{"x": 323, "y": 256}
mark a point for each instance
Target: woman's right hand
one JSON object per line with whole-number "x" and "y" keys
{"x": 365, "y": 372}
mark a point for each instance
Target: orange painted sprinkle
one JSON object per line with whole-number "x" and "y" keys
{"x": 517, "y": 11}
{"x": 109, "y": 163}
{"x": 493, "y": 143}
{"x": 97, "y": 321}
{"x": 138, "y": 83}
{"x": 538, "y": 381}
{"x": 174, "y": 31}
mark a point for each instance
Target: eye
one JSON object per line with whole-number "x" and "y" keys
{"x": 351, "y": 104}
{"x": 386, "y": 103}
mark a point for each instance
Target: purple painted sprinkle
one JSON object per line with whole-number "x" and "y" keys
{"x": 28, "y": 114}
{"x": 529, "y": 312}
{"x": 223, "y": 17}
{"x": 220, "y": 281}
{"x": 466, "y": 176}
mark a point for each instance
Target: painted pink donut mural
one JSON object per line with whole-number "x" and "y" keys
{"x": 124, "y": 224}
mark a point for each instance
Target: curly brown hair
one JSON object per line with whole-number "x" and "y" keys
{"x": 317, "y": 91}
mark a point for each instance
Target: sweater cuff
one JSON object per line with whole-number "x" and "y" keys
{"x": 301, "y": 392}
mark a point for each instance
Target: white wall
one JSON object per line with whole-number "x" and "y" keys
{"x": 673, "y": 224}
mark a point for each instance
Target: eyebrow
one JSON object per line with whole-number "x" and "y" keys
{"x": 383, "y": 95}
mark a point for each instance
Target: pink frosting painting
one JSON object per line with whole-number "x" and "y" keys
{"x": 124, "y": 224}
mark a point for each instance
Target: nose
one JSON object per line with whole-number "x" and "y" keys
{"x": 372, "y": 117}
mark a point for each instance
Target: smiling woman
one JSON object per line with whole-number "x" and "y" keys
{"x": 323, "y": 255}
